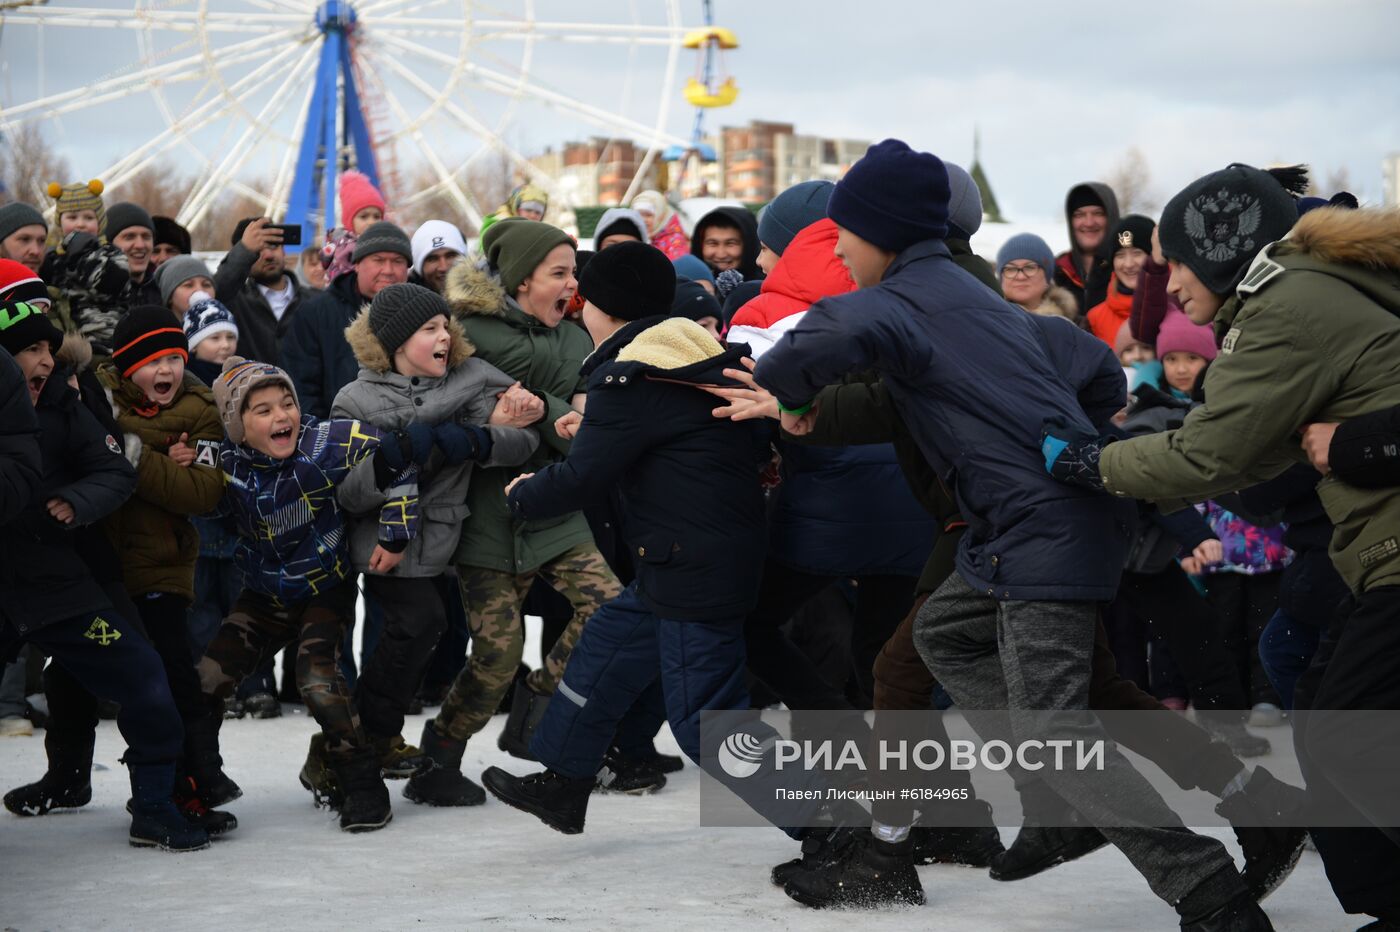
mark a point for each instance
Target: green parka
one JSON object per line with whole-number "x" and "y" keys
{"x": 152, "y": 531}
{"x": 1311, "y": 336}
{"x": 546, "y": 361}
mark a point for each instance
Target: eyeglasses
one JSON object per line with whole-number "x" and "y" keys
{"x": 1020, "y": 271}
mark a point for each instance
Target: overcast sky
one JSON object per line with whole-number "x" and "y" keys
{"x": 1060, "y": 90}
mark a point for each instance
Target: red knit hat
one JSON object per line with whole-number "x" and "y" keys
{"x": 17, "y": 283}
{"x": 357, "y": 193}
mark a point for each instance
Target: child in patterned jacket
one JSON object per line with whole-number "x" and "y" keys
{"x": 281, "y": 472}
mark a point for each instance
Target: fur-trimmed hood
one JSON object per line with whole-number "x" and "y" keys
{"x": 369, "y": 352}
{"x": 474, "y": 290}
{"x": 1368, "y": 238}
{"x": 1058, "y": 302}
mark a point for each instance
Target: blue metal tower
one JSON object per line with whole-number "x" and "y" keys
{"x": 334, "y": 121}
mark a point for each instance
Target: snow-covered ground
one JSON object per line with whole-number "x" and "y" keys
{"x": 642, "y": 864}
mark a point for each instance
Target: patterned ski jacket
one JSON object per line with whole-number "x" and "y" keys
{"x": 293, "y": 542}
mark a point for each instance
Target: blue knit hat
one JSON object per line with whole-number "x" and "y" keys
{"x": 893, "y": 198}
{"x": 791, "y": 212}
{"x": 1027, "y": 246}
{"x": 964, "y": 203}
{"x": 206, "y": 317}
{"x": 693, "y": 268}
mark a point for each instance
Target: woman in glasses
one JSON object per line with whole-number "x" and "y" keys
{"x": 1025, "y": 265}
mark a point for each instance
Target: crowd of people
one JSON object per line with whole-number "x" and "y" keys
{"x": 824, "y": 455}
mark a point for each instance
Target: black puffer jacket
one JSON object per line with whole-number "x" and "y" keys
{"x": 692, "y": 508}
{"x": 20, "y": 463}
{"x": 43, "y": 579}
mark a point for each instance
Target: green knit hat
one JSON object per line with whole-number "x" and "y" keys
{"x": 514, "y": 247}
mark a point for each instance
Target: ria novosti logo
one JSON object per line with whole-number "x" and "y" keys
{"x": 740, "y": 755}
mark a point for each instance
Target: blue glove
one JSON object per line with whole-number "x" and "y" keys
{"x": 411, "y": 444}
{"x": 460, "y": 443}
{"x": 1072, "y": 457}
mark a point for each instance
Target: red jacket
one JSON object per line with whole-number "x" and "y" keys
{"x": 807, "y": 272}
{"x": 1107, "y": 319}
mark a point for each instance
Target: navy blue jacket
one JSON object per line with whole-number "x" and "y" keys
{"x": 20, "y": 462}
{"x": 315, "y": 352}
{"x": 43, "y": 578}
{"x": 688, "y": 482}
{"x": 976, "y": 379}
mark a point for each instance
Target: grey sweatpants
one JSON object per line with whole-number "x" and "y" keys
{"x": 1020, "y": 656}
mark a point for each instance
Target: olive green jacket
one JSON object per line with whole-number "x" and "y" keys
{"x": 1311, "y": 336}
{"x": 546, "y": 361}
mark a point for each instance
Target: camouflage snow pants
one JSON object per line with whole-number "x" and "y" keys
{"x": 493, "y": 601}
{"x": 259, "y": 626}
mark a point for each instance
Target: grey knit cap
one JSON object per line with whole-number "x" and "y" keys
{"x": 398, "y": 311}
{"x": 126, "y": 214}
{"x": 175, "y": 271}
{"x": 382, "y": 237}
{"x": 16, "y": 215}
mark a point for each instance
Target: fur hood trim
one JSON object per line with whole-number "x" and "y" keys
{"x": 1368, "y": 238}
{"x": 471, "y": 290}
{"x": 1059, "y": 302}
{"x": 369, "y": 352}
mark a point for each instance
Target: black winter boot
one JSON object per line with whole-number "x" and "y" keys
{"x": 628, "y": 775}
{"x": 1241, "y": 914}
{"x": 526, "y": 710}
{"x": 821, "y": 847}
{"x": 969, "y": 845}
{"x": 869, "y": 874}
{"x": 205, "y": 765}
{"x": 556, "y": 800}
{"x": 1051, "y": 834}
{"x": 364, "y": 805}
{"x": 65, "y": 785}
{"x": 215, "y": 822}
{"x": 1270, "y": 836}
{"x": 443, "y": 784}
{"x": 155, "y": 822}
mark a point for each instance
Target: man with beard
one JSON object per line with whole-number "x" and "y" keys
{"x": 437, "y": 246}
{"x": 253, "y": 283}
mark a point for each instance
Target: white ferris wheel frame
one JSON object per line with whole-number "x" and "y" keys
{"x": 285, "y": 45}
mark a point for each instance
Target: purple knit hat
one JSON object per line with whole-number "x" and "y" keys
{"x": 1179, "y": 335}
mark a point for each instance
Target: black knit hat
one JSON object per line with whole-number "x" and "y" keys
{"x": 693, "y": 302}
{"x": 147, "y": 332}
{"x": 382, "y": 237}
{"x": 1219, "y": 223}
{"x": 629, "y": 281}
{"x": 23, "y": 324}
{"x": 126, "y": 214}
{"x": 1133, "y": 232}
{"x": 893, "y": 197}
{"x": 398, "y": 311}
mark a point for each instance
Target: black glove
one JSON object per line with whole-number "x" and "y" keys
{"x": 1072, "y": 457}
{"x": 411, "y": 444}
{"x": 460, "y": 443}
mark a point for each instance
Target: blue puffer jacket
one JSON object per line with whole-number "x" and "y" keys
{"x": 976, "y": 379}
{"x": 292, "y": 537}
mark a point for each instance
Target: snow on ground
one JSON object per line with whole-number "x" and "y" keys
{"x": 643, "y": 863}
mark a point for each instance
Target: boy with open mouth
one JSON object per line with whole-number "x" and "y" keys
{"x": 171, "y": 435}
{"x": 281, "y": 473}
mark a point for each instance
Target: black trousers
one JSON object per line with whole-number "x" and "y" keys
{"x": 1357, "y": 666}
{"x": 1171, "y": 609}
{"x": 108, "y": 656}
{"x": 1246, "y": 603}
{"x": 165, "y": 617}
{"x": 881, "y": 603}
{"x": 415, "y": 616}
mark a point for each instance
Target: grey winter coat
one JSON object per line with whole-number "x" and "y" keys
{"x": 388, "y": 400}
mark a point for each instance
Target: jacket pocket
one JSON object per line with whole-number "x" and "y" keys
{"x": 444, "y": 513}
{"x": 655, "y": 549}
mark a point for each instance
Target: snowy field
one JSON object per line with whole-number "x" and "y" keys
{"x": 641, "y": 864}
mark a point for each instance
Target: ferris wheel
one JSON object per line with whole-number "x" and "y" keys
{"x": 270, "y": 99}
